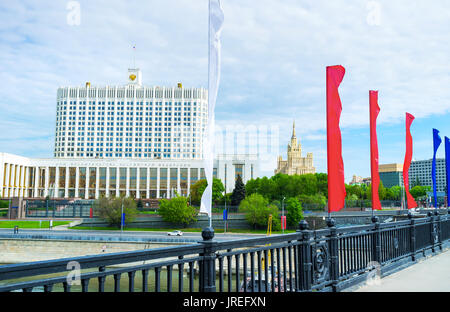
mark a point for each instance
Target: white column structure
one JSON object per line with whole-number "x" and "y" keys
{"x": 86, "y": 192}
{"x": 24, "y": 186}
{"x": 188, "y": 182}
{"x": 56, "y": 182}
{"x": 148, "y": 183}
{"x": 97, "y": 182}
{"x": 27, "y": 180}
{"x": 47, "y": 176}
{"x": 8, "y": 180}
{"x": 158, "y": 176}
{"x": 13, "y": 180}
{"x": 36, "y": 181}
{"x": 230, "y": 177}
{"x": 13, "y": 171}
{"x": 17, "y": 180}
{"x": 77, "y": 181}
{"x": 10, "y": 175}
{"x": 168, "y": 184}
{"x": 247, "y": 172}
{"x": 66, "y": 185}
{"x": 127, "y": 193}
{"x": 107, "y": 182}
{"x": 179, "y": 181}
{"x": 118, "y": 182}
{"x": 138, "y": 178}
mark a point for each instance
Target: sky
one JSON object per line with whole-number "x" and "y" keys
{"x": 274, "y": 57}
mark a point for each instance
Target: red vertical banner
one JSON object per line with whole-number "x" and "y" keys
{"x": 336, "y": 182}
{"x": 283, "y": 222}
{"x": 91, "y": 213}
{"x": 374, "y": 159}
{"x": 408, "y": 157}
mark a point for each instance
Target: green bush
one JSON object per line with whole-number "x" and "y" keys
{"x": 294, "y": 211}
{"x": 257, "y": 211}
{"x": 177, "y": 210}
{"x": 110, "y": 209}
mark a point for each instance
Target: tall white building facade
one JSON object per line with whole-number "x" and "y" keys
{"x": 143, "y": 142}
{"x": 420, "y": 171}
{"x": 130, "y": 121}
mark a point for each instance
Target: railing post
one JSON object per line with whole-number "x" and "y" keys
{"x": 412, "y": 236}
{"x": 304, "y": 257}
{"x": 376, "y": 240}
{"x": 334, "y": 253}
{"x": 207, "y": 266}
{"x": 436, "y": 230}
{"x": 432, "y": 236}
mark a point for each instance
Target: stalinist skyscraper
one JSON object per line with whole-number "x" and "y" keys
{"x": 295, "y": 163}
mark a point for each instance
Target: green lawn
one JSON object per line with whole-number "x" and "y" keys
{"x": 29, "y": 224}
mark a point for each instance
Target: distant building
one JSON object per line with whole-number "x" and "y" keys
{"x": 360, "y": 180}
{"x": 391, "y": 175}
{"x": 295, "y": 163}
{"x": 420, "y": 173}
{"x": 127, "y": 140}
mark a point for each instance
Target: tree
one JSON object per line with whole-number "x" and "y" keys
{"x": 252, "y": 186}
{"x": 282, "y": 188}
{"x": 110, "y": 209}
{"x": 257, "y": 211}
{"x": 294, "y": 211}
{"x": 238, "y": 193}
{"x": 317, "y": 201}
{"x": 322, "y": 184}
{"x": 382, "y": 191}
{"x": 419, "y": 191}
{"x": 267, "y": 188}
{"x": 396, "y": 192}
{"x": 177, "y": 210}
{"x": 199, "y": 187}
{"x": 139, "y": 204}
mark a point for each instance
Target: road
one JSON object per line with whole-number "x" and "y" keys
{"x": 429, "y": 275}
{"x": 130, "y": 236}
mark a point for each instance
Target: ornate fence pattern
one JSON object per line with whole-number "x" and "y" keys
{"x": 330, "y": 259}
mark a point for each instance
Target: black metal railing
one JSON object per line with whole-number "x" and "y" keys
{"x": 329, "y": 259}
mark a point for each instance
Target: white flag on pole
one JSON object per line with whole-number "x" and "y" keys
{"x": 215, "y": 28}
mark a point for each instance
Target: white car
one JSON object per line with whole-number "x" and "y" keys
{"x": 175, "y": 233}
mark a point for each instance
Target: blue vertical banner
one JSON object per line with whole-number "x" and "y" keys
{"x": 123, "y": 219}
{"x": 447, "y": 167}
{"x": 436, "y": 143}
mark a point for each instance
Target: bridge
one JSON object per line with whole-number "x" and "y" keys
{"x": 330, "y": 259}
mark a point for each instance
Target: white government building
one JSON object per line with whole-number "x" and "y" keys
{"x": 132, "y": 140}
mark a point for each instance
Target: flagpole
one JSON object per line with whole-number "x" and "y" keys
{"x": 209, "y": 83}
